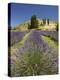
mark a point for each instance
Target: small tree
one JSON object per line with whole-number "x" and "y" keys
{"x": 48, "y": 21}
{"x": 44, "y": 21}
{"x": 28, "y": 26}
{"x": 57, "y": 27}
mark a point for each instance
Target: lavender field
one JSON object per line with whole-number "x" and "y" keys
{"x": 33, "y": 43}
{"x": 34, "y": 52}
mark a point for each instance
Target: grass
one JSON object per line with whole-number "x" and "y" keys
{"x": 28, "y": 65}
{"x": 33, "y": 64}
{"x": 52, "y": 43}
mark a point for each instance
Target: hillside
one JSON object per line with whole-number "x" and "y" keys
{"x": 41, "y": 26}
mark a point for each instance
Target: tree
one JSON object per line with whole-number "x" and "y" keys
{"x": 57, "y": 27}
{"x": 44, "y": 21}
{"x": 28, "y": 26}
{"x": 34, "y": 22}
{"x": 48, "y": 21}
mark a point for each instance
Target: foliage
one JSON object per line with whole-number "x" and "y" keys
{"x": 44, "y": 21}
{"x": 34, "y": 22}
{"x": 48, "y": 21}
{"x": 57, "y": 27}
{"x": 36, "y": 63}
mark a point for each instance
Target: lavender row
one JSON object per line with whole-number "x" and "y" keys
{"x": 51, "y": 34}
{"x": 15, "y": 37}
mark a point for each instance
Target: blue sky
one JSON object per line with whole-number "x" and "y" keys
{"x": 23, "y": 12}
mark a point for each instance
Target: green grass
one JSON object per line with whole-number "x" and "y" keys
{"x": 52, "y": 43}
{"x": 36, "y": 63}
{"x": 28, "y": 65}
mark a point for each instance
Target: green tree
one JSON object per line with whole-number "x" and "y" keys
{"x": 34, "y": 22}
{"x": 44, "y": 21}
{"x": 57, "y": 27}
{"x": 48, "y": 21}
{"x": 28, "y": 26}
